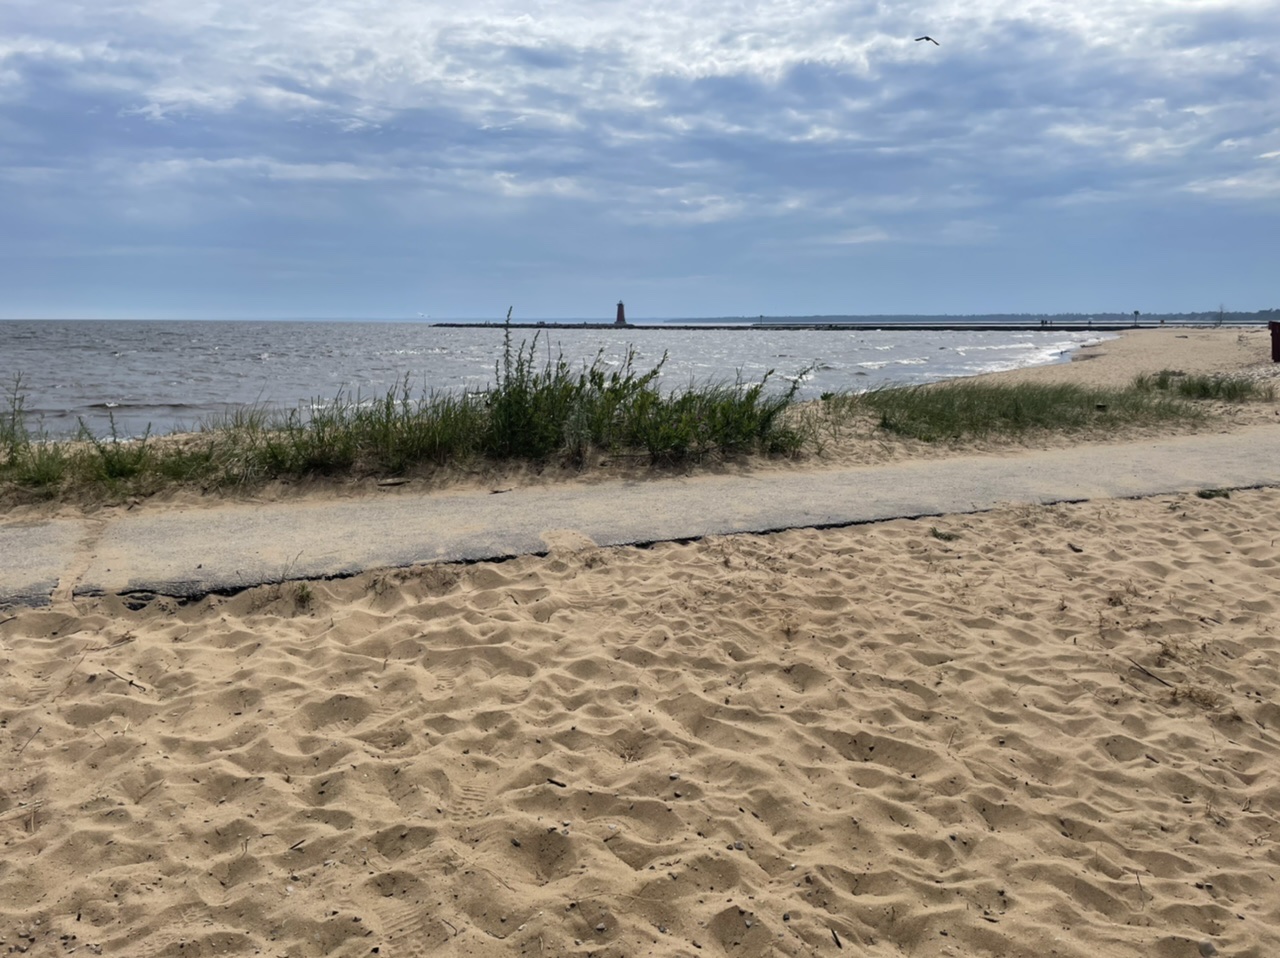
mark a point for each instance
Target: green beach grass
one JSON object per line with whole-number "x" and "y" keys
{"x": 1234, "y": 389}
{"x": 973, "y": 409}
{"x": 535, "y": 413}
{"x": 551, "y": 413}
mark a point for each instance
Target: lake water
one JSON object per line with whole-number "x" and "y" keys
{"x": 173, "y": 375}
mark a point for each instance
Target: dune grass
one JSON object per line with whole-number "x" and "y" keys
{"x": 534, "y": 412}
{"x": 1234, "y": 389}
{"x": 974, "y": 409}
{"x": 29, "y": 458}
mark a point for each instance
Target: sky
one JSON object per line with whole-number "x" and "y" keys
{"x": 395, "y": 159}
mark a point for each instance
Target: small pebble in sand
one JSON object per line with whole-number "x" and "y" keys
{"x": 674, "y": 776}
{"x": 600, "y": 927}
{"x": 1208, "y": 949}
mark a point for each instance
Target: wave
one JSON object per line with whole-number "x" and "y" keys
{"x": 160, "y": 406}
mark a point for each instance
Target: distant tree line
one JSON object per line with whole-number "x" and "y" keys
{"x": 1213, "y": 316}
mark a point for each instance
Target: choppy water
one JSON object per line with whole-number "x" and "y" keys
{"x": 174, "y": 375}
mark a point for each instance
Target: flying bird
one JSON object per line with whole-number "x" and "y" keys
{"x": 930, "y": 39}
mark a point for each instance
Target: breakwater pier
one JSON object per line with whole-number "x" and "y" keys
{"x": 853, "y": 326}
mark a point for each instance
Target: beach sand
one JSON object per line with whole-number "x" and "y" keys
{"x": 1031, "y": 732}
{"x": 1198, "y": 351}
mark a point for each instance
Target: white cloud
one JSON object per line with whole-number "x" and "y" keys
{"x": 564, "y": 187}
{"x": 856, "y": 237}
{"x": 966, "y": 232}
{"x": 393, "y": 51}
{"x": 1261, "y": 184}
{"x": 176, "y": 170}
{"x": 669, "y": 112}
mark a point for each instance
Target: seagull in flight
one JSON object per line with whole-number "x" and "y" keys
{"x": 930, "y": 39}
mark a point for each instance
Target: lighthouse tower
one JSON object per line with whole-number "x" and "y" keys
{"x": 622, "y": 316}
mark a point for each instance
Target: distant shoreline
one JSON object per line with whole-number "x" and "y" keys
{"x": 957, "y": 326}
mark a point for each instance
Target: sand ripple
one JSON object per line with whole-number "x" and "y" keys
{"x": 1057, "y": 734}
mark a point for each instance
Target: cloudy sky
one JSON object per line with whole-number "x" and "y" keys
{"x": 386, "y": 158}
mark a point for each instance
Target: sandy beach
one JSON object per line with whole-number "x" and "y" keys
{"x": 1038, "y": 731}
{"x": 1115, "y": 362}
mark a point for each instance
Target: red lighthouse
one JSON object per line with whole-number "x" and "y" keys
{"x": 622, "y": 316}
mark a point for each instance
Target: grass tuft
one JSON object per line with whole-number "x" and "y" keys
{"x": 113, "y": 458}
{"x": 1223, "y": 388}
{"x": 29, "y": 458}
{"x": 303, "y": 597}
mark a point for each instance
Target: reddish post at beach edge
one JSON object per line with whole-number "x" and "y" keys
{"x": 1274, "y": 327}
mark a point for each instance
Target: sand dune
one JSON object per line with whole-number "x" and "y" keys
{"x": 1032, "y": 732}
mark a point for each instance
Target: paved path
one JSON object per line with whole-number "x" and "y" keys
{"x": 235, "y": 545}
